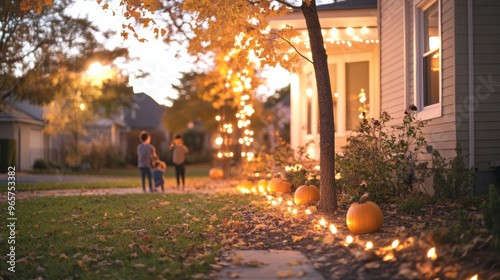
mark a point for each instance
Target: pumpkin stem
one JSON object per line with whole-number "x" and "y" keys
{"x": 363, "y": 198}
{"x": 306, "y": 183}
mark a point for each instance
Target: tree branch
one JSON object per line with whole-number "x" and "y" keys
{"x": 303, "y": 56}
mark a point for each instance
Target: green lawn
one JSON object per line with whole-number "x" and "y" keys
{"x": 118, "y": 178}
{"x": 192, "y": 170}
{"x": 151, "y": 236}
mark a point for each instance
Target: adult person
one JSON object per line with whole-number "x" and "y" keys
{"x": 146, "y": 155}
{"x": 179, "y": 151}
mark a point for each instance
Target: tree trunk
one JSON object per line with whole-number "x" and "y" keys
{"x": 328, "y": 196}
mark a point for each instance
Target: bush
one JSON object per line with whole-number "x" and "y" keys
{"x": 296, "y": 166}
{"x": 413, "y": 204}
{"x": 491, "y": 211}
{"x": 383, "y": 159}
{"x": 451, "y": 179}
{"x": 40, "y": 164}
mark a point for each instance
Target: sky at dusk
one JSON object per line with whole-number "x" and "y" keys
{"x": 153, "y": 56}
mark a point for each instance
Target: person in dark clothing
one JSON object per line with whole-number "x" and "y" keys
{"x": 146, "y": 154}
{"x": 179, "y": 151}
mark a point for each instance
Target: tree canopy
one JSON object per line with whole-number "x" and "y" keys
{"x": 41, "y": 49}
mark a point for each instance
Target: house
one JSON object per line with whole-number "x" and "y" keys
{"x": 444, "y": 57}
{"x": 441, "y": 55}
{"x": 22, "y": 140}
{"x": 351, "y": 39}
{"x": 146, "y": 114}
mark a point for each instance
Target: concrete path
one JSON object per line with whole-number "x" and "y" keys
{"x": 264, "y": 264}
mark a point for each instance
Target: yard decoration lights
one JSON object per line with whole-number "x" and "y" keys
{"x": 279, "y": 185}
{"x": 306, "y": 194}
{"x": 364, "y": 216}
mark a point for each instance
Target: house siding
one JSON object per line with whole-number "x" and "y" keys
{"x": 486, "y": 19}
{"x": 392, "y": 98}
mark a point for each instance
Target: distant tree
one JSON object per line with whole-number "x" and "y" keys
{"x": 38, "y": 47}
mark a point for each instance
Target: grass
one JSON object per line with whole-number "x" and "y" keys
{"x": 192, "y": 170}
{"x": 128, "y": 183}
{"x": 151, "y": 236}
{"x": 113, "y": 178}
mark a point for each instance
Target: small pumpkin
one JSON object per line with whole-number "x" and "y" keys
{"x": 306, "y": 194}
{"x": 216, "y": 173}
{"x": 245, "y": 186}
{"x": 262, "y": 185}
{"x": 364, "y": 216}
{"x": 278, "y": 185}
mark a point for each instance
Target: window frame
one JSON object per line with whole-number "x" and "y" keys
{"x": 420, "y": 54}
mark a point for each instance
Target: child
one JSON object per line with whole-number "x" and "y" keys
{"x": 158, "y": 171}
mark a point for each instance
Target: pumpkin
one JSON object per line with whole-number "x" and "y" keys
{"x": 364, "y": 216}
{"x": 262, "y": 185}
{"x": 245, "y": 186}
{"x": 306, "y": 194}
{"x": 278, "y": 185}
{"x": 216, "y": 173}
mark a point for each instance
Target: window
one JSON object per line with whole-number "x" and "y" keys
{"x": 428, "y": 59}
{"x": 357, "y": 80}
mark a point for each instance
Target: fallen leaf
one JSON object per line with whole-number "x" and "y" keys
{"x": 285, "y": 274}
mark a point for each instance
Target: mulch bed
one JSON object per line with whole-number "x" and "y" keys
{"x": 275, "y": 227}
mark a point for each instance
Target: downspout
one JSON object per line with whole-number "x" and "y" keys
{"x": 471, "y": 84}
{"x": 406, "y": 84}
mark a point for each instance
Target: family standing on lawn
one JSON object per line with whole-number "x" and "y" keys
{"x": 151, "y": 167}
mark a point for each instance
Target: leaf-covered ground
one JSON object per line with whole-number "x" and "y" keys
{"x": 274, "y": 225}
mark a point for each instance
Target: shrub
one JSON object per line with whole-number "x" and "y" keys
{"x": 413, "y": 204}
{"x": 296, "y": 166}
{"x": 384, "y": 158}
{"x": 491, "y": 211}
{"x": 40, "y": 164}
{"x": 451, "y": 179}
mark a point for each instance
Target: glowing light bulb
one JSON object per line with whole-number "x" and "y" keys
{"x": 349, "y": 239}
{"x": 333, "y": 228}
{"x": 369, "y": 245}
{"x": 395, "y": 244}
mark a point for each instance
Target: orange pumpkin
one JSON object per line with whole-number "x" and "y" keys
{"x": 306, "y": 194}
{"x": 364, "y": 216}
{"x": 216, "y": 173}
{"x": 278, "y": 185}
{"x": 245, "y": 186}
{"x": 262, "y": 185}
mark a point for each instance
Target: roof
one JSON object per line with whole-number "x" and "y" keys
{"x": 347, "y": 5}
{"x": 148, "y": 113}
{"x": 10, "y": 113}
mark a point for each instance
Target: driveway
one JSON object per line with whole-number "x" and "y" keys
{"x": 57, "y": 178}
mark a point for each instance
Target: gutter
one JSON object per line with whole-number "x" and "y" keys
{"x": 471, "y": 96}
{"x": 406, "y": 84}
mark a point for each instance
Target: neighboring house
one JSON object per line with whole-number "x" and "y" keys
{"x": 23, "y": 141}
{"x": 441, "y": 55}
{"x": 21, "y": 136}
{"x": 146, "y": 114}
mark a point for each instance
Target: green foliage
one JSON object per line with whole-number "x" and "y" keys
{"x": 451, "y": 179}
{"x": 413, "y": 204}
{"x": 384, "y": 158}
{"x": 40, "y": 164}
{"x": 296, "y": 166}
{"x": 491, "y": 211}
{"x": 104, "y": 155}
